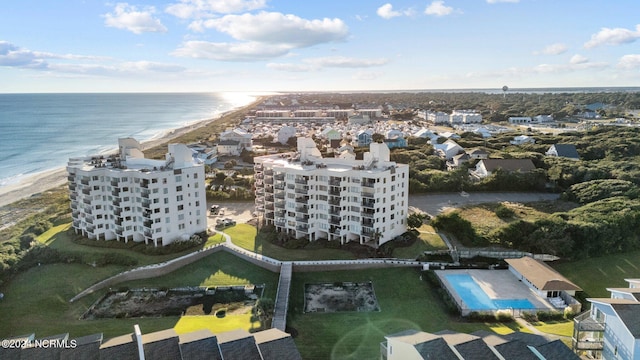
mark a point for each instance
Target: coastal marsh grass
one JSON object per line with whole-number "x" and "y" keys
{"x": 244, "y": 235}
{"x": 38, "y": 299}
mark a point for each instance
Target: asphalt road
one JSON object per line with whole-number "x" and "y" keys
{"x": 433, "y": 204}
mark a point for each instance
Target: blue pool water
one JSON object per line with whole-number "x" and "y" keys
{"x": 476, "y": 299}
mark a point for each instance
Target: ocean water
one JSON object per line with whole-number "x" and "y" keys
{"x": 40, "y": 132}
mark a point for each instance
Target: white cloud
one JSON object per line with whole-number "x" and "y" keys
{"x": 278, "y": 28}
{"x": 386, "y": 11}
{"x": 438, "y": 8}
{"x": 563, "y": 68}
{"x": 194, "y": 9}
{"x": 13, "y": 56}
{"x": 366, "y": 75}
{"x": 617, "y": 36}
{"x": 291, "y": 67}
{"x": 247, "y": 51}
{"x": 578, "y": 59}
{"x": 553, "y": 49}
{"x": 345, "y": 62}
{"x": 129, "y": 18}
{"x": 317, "y": 64}
{"x": 502, "y": 1}
{"x": 631, "y": 61}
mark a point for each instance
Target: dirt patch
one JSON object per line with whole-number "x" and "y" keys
{"x": 338, "y": 297}
{"x": 175, "y": 302}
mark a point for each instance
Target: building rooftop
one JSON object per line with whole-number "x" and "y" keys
{"x": 541, "y": 275}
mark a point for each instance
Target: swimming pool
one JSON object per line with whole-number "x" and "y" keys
{"x": 476, "y": 299}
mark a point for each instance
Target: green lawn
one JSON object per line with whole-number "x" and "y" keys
{"x": 594, "y": 275}
{"x": 562, "y": 328}
{"x": 244, "y": 235}
{"x": 427, "y": 241}
{"x": 38, "y": 300}
{"x": 406, "y": 302}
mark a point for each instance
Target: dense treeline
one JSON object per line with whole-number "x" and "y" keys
{"x": 607, "y": 223}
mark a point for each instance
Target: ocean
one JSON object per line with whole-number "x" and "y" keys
{"x": 40, "y": 132}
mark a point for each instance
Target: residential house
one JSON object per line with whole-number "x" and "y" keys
{"x": 426, "y": 134}
{"x": 271, "y": 344}
{"x": 522, "y": 139}
{"x": 478, "y": 154}
{"x": 445, "y": 345}
{"x": 543, "y": 118}
{"x": 285, "y": 133}
{"x": 229, "y": 148}
{"x": 486, "y": 167}
{"x": 611, "y": 328}
{"x": 545, "y": 282}
{"x": 568, "y": 151}
{"x": 458, "y": 160}
{"x": 448, "y": 149}
{"x": 365, "y": 137}
{"x": 520, "y": 120}
{"x": 241, "y": 136}
{"x": 399, "y": 142}
{"x": 331, "y": 134}
{"x": 449, "y": 135}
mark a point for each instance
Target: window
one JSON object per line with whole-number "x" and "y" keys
{"x": 179, "y": 188}
{"x": 179, "y": 178}
{"x": 180, "y": 207}
{"x": 181, "y": 217}
{"x": 179, "y": 198}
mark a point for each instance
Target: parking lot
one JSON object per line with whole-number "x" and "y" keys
{"x": 240, "y": 212}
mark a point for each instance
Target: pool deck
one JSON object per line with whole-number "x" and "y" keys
{"x": 497, "y": 284}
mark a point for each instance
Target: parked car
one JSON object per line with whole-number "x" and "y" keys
{"x": 215, "y": 209}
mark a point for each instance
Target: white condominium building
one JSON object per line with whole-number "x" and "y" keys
{"x": 339, "y": 199}
{"x": 127, "y": 197}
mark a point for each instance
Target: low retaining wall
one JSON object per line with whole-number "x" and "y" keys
{"x": 330, "y": 265}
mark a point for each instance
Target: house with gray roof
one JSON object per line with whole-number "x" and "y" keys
{"x": 568, "y": 151}
{"x": 419, "y": 345}
{"x": 271, "y": 344}
{"x": 611, "y": 328}
{"x": 486, "y": 167}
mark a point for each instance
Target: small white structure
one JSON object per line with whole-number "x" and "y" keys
{"x": 522, "y": 139}
{"x": 520, "y": 120}
{"x": 285, "y": 133}
{"x": 448, "y": 149}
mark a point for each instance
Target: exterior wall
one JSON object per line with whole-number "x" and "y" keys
{"x": 618, "y": 342}
{"x": 155, "y": 205}
{"x": 398, "y": 350}
{"x": 519, "y": 120}
{"x": 334, "y": 199}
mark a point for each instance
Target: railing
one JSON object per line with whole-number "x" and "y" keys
{"x": 302, "y": 219}
{"x": 367, "y": 214}
{"x": 301, "y": 181}
{"x": 334, "y": 220}
{"x": 334, "y": 182}
{"x": 302, "y": 191}
{"x": 302, "y": 200}
{"x": 302, "y": 209}
{"x": 303, "y": 228}
{"x": 367, "y": 194}
{"x": 368, "y": 203}
{"x": 279, "y": 177}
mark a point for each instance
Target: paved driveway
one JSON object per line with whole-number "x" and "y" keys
{"x": 433, "y": 204}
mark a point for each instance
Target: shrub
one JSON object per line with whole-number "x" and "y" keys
{"x": 504, "y": 212}
{"x": 549, "y": 315}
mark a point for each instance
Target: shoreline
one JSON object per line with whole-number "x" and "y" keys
{"x": 52, "y": 178}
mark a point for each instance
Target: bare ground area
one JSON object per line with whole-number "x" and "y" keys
{"x": 173, "y": 302}
{"x": 340, "y": 297}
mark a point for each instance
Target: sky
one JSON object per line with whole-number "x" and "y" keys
{"x": 312, "y": 45}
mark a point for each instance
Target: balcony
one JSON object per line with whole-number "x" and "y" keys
{"x": 368, "y": 231}
{"x": 302, "y": 209}
{"x": 87, "y": 201}
{"x": 114, "y": 183}
{"x": 145, "y": 193}
{"x": 269, "y": 198}
{"x": 75, "y": 214}
{"x": 334, "y": 220}
{"x": 269, "y": 172}
{"x": 268, "y": 189}
{"x": 334, "y": 201}
{"x": 86, "y": 191}
{"x": 148, "y": 234}
{"x": 73, "y": 197}
{"x": 588, "y": 333}
{"x": 76, "y": 224}
{"x": 281, "y": 213}
{"x": 302, "y": 219}
{"x": 302, "y": 191}
{"x": 71, "y": 178}
{"x": 269, "y": 216}
{"x": 368, "y": 203}
{"x": 146, "y": 204}
{"x": 280, "y": 223}
{"x": 303, "y": 228}
{"x": 115, "y": 192}
{"x": 89, "y": 219}
{"x": 72, "y": 186}
{"x": 268, "y": 181}
{"x": 147, "y": 223}
{"x": 335, "y": 230}
{"x": 334, "y": 191}
{"x": 367, "y": 214}
{"x": 279, "y": 204}
{"x": 334, "y": 211}
{"x": 367, "y": 194}
{"x": 279, "y": 177}
{"x": 279, "y": 195}
{"x": 118, "y": 221}
{"x": 367, "y": 222}
{"x": 279, "y": 187}
{"x": 258, "y": 176}
{"x": 334, "y": 182}
{"x": 260, "y": 192}
{"x": 144, "y": 184}
{"x": 301, "y": 181}
{"x": 258, "y": 167}
{"x": 269, "y": 207}
{"x": 368, "y": 183}
{"x": 302, "y": 199}
{"x": 84, "y": 182}
{"x": 116, "y": 202}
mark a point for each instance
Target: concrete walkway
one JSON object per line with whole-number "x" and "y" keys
{"x": 282, "y": 297}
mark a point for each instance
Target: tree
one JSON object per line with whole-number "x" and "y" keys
{"x": 379, "y": 138}
{"x": 229, "y": 182}
{"x": 415, "y": 220}
{"x": 230, "y": 164}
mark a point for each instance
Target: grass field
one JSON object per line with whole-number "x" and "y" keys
{"x": 38, "y": 299}
{"x": 244, "y": 235}
{"x": 427, "y": 241}
{"x": 406, "y": 302}
{"x": 594, "y": 275}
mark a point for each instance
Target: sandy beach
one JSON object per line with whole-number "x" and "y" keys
{"x": 50, "y": 179}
